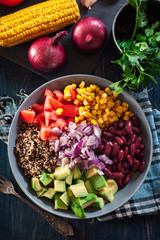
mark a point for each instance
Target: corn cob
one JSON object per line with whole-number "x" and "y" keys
{"x": 37, "y": 21}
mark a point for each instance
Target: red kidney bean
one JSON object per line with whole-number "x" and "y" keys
{"x": 136, "y": 130}
{"x": 114, "y": 168}
{"x": 133, "y": 137}
{"x": 126, "y": 171}
{"x": 108, "y": 172}
{"x": 114, "y": 149}
{"x": 112, "y": 130}
{"x": 130, "y": 160}
{"x": 127, "y": 179}
{"x": 135, "y": 166}
{"x": 135, "y": 121}
{"x": 132, "y": 149}
{"x": 140, "y": 156}
{"x": 117, "y": 175}
{"x": 101, "y": 148}
{"x": 120, "y": 168}
{"x": 128, "y": 126}
{"x": 126, "y": 151}
{"x": 119, "y": 140}
{"x": 105, "y": 129}
{"x": 107, "y": 135}
{"x": 108, "y": 148}
{"x": 137, "y": 151}
{"x": 129, "y": 142}
{"x": 119, "y": 183}
{"x": 141, "y": 145}
{"x": 124, "y": 140}
{"x": 126, "y": 165}
{"x": 137, "y": 142}
{"x": 115, "y": 125}
{"x": 120, "y": 155}
{"x": 104, "y": 140}
{"x": 142, "y": 166}
{"x": 120, "y": 123}
{"x": 115, "y": 159}
{"x": 121, "y": 132}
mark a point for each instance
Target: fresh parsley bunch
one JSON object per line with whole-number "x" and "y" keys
{"x": 141, "y": 54}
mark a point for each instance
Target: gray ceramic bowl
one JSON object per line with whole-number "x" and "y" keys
{"x": 123, "y": 195}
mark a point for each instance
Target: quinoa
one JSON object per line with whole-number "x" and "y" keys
{"x": 33, "y": 154}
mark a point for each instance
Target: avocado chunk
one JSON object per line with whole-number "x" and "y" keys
{"x": 98, "y": 181}
{"x": 111, "y": 183}
{"x": 91, "y": 172}
{"x": 50, "y": 193}
{"x": 106, "y": 193}
{"x": 69, "y": 178}
{"x": 41, "y": 192}
{"x": 79, "y": 190}
{"x": 61, "y": 172}
{"x": 59, "y": 204}
{"x": 70, "y": 193}
{"x": 76, "y": 172}
{"x": 36, "y": 184}
{"x": 59, "y": 186}
{"x": 89, "y": 186}
{"x": 78, "y": 181}
{"x": 45, "y": 179}
{"x": 76, "y": 208}
{"x": 65, "y": 198}
{"x": 98, "y": 203}
{"x": 88, "y": 200}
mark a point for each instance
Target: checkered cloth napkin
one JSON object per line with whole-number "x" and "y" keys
{"x": 147, "y": 199}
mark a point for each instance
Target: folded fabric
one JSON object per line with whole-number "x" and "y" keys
{"x": 147, "y": 199}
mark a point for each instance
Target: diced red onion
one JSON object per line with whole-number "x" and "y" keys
{"x": 77, "y": 149}
{"x": 57, "y": 131}
{"x": 65, "y": 161}
{"x": 101, "y": 173}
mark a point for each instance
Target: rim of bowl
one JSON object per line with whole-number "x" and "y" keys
{"x": 59, "y": 213}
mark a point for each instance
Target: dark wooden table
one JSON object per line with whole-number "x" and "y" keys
{"x": 20, "y": 222}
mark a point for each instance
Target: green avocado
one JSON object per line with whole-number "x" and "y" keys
{"x": 69, "y": 178}
{"x": 98, "y": 181}
{"x": 106, "y": 193}
{"x": 65, "y": 198}
{"x": 91, "y": 172}
{"x": 98, "y": 203}
{"x": 36, "y": 184}
{"x": 41, "y": 192}
{"x": 79, "y": 190}
{"x": 59, "y": 186}
{"x": 61, "y": 172}
{"x": 76, "y": 172}
{"x": 59, "y": 204}
{"x": 88, "y": 200}
{"x": 76, "y": 208}
{"x": 111, "y": 183}
{"x": 45, "y": 179}
{"x": 50, "y": 193}
{"x": 89, "y": 186}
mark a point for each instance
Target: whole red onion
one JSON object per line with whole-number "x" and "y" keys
{"x": 89, "y": 34}
{"x": 46, "y": 54}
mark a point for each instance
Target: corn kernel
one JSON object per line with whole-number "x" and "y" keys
{"x": 99, "y": 112}
{"x": 125, "y": 109}
{"x": 119, "y": 109}
{"x": 76, "y": 119}
{"x": 98, "y": 99}
{"x": 126, "y": 113}
{"x": 87, "y": 114}
{"x": 93, "y": 121}
{"x": 85, "y": 102}
{"x": 76, "y": 102}
{"x": 94, "y": 112}
{"x": 110, "y": 104}
{"x": 107, "y": 111}
{"x": 105, "y": 118}
{"x": 100, "y": 92}
{"x": 124, "y": 104}
{"x": 74, "y": 86}
{"x": 59, "y": 111}
{"x": 96, "y": 107}
{"x": 103, "y": 101}
{"x": 103, "y": 106}
{"x": 79, "y": 97}
{"x": 82, "y": 84}
{"x": 81, "y": 118}
{"x": 104, "y": 95}
{"x": 126, "y": 118}
{"x": 100, "y": 120}
{"x": 88, "y": 89}
{"x": 115, "y": 95}
{"x": 117, "y": 103}
{"x": 108, "y": 91}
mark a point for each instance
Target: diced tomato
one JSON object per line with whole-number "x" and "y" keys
{"x": 58, "y": 95}
{"x": 61, "y": 123}
{"x": 47, "y": 117}
{"x": 52, "y": 137}
{"x": 37, "y": 107}
{"x": 27, "y": 116}
{"x": 70, "y": 110}
{"x": 69, "y": 120}
{"x": 73, "y": 94}
{"x": 40, "y": 123}
{"x": 48, "y": 92}
{"x": 38, "y": 116}
{"x": 55, "y": 103}
{"x": 45, "y": 132}
{"x": 54, "y": 116}
{"x": 47, "y": 104}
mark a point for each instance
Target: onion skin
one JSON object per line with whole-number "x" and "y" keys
{"x": 46, "y": 54}
{"x": 89, "y": 34}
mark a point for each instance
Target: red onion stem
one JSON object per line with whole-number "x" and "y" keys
{"x": 58, "y": 37}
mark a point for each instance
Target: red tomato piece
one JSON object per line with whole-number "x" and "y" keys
{"x": 27, "y": 116}
{"x": 47, "y": 104}
{"x": 54, "y": 116}
{"x": 61, "y": 123}
{"x": 73, "y": 94}
{"x": 41, "y": 123}
{"x": 45, "y": 132}
{"x": 11, "y": 3}
{"x": 58, "y": 95}
{"x": 48, "y": 92}
{"x": 38, "y": 116}
{"x": 47, "y": 117}
{"x": 37, "y": 107}
{"x": 70, "y": 110}
{"x": 69, "y": 120}
{"x": 55, "y": 103}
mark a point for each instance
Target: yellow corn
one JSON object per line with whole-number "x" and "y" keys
{"x": 37, "y": 21}
{"x": 59, "y": 111}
